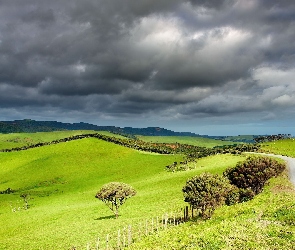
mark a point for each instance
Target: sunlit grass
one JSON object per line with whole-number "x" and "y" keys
{"x": 284, "y": 147}
{"x": 266, "y": 222}
{"x": 63, "y": 180}
{"x": 190, "y": 140}
{"x": 23, "y": 139}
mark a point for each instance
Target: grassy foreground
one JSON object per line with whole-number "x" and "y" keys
{"x": 62, "y": 180}
{"x": 266, "y": 222}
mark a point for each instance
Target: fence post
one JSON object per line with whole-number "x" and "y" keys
{"x": 146, "y": 227}
{"x": 119, "y": 239}
{"x": 139, "y": 231}
{"x": 166, "y": 220}
{"x": 174, "y": 219}
{"x": 186, "y": 213}
{"x": 107, "y": 242}
{"x": 157, "y": 223}
{"x": 124, "y": 238}
{"x": 129, "y": 235}
{"x": 97, "y": 244}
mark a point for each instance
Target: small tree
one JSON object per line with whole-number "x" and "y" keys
{"x": 114, "y": 194}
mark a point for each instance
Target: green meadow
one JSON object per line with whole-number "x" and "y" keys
{"x": 14, "y": 140}
{"x": 284, "y": 147}
{"x": 190, "y": 140}
{"x": 266, "y": 222}
{"x": 62, "y": 180}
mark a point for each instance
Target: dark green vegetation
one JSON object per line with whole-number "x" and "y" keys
{"x": 271, "y": 138}
{"x": 206, "y": 192}
{"x": 115, "y": 194}
{"x": 254, "y": 172}
{"x": 241, "y": 183}
{"x": 61, "y": 180}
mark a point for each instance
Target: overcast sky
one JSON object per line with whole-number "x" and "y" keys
{"x": 218, "y": 67}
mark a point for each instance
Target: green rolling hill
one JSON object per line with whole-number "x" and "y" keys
{"x": 62, "y": 180}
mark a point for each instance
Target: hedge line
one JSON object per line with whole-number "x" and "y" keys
{"x": 191, "y": 152}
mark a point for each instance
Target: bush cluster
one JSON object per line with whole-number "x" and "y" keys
{"x": 253, "y": 173}
{"x": 238, "y": 184}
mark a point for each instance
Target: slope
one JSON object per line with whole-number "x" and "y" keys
{"x": 62, "y": 180}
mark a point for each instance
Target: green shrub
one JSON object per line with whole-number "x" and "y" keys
{"x": 233, "y": 196}
{"x": 206, "y": 192}
{"x": 238, "y": 195}
{"x": 253, "y": 174}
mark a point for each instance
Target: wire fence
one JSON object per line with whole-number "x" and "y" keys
{"x": 127, "y": 235}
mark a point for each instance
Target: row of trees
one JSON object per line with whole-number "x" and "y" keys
{"x": 191, "y": 152}
{"x": 269, "y": 138}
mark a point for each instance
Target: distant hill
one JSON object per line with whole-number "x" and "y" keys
{"x": 30, "y": 126}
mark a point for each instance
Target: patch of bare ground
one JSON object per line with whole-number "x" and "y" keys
{"x": 282, "y": 189}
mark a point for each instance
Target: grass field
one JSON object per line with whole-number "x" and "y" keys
{"x": 283, "y": 147}
{"x": 266, "y": 222}
{"x": 62, "y": 180}
{"x": 190, "y": 140}
{"x": 22, "y": 139}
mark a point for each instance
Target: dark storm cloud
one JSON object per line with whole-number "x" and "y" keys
{"x": 118, "y": 58}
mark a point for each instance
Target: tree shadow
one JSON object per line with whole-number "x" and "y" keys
{"x": 106, "y": 217}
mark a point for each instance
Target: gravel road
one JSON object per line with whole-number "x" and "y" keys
{"x": 290, "y": 163}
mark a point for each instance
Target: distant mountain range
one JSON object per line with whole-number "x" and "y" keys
{"x": 29, "y": 126}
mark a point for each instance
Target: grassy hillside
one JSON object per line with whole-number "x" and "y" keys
{"x": 22, "y": 139}
{"x": 284, "y": 147}
{"x": 62, "y": 180}
{"x": 190, "y": 140}
{"x": 266, "y": 222}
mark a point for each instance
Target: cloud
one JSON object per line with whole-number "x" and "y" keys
{"x": 154, "y": 59}
{"x": 285, "y": 100}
